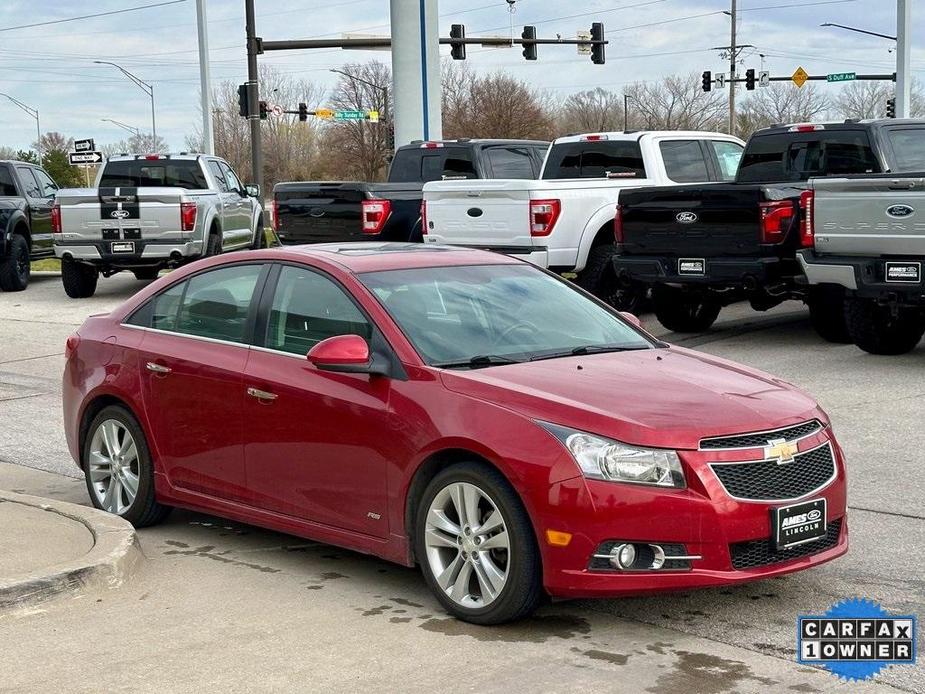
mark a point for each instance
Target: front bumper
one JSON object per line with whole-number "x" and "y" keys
{"x": 147, "y": 252}
{"x": 739, "y": 272}
{"x": 865, "y": 278}
{"x": 711, "y": 524}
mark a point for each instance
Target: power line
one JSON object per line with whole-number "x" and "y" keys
{"x": 91, "y": 16}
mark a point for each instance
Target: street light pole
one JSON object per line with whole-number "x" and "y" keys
{"x": 145, "y": 87}
{"x": 131, "y": 129}
{"x": 34, "y": 112}
{"x": 205, "y": 81}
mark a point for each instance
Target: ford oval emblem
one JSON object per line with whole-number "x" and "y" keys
{"x": 316, "y": 212}
{"x": 900, "y": 211}
{"x": 814, "y": 515}
{"x": 119, "y": 214}
{"x": 686, "y": 217}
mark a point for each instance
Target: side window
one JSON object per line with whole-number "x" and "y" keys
{"x": 161, "y": 311}
{"x": 49, "y": 187}
{"x": 231, "y": 180}
{"x": 7, "y": 187}
{"x": 458, "y": 165}
{"x": 728, "y": 154}
{"x": 684, "y": 161}
{"x": 219, "y": 175}
{"x": 30, "y": 185}
{"x": 216, "y": 303}
{"x": 308, "y": 308}
{"x": 510, "y": 162}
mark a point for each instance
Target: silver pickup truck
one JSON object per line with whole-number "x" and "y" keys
{"x": 867, "y": 235}
{"x": 149, "y": 212}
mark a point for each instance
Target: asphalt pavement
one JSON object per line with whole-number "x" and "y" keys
{"x": 236, "y": 608}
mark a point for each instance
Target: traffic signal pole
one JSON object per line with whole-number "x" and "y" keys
{"x": 253, "y": 106}
{"x": 903, "y": 58}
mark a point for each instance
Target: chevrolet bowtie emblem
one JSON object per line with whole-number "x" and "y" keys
{"x": 780, "y": 450}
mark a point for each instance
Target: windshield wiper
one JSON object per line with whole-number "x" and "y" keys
{"x": 478, "y": 362}
{"x": 588, "y": 349}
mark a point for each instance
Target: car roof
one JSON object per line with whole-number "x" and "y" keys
{"x": 359, "y": 257}
{"x": 633, "y": 135}
{"x": 849, "y": 124}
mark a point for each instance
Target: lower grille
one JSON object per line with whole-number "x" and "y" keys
{"x": 769, "y": 480}
{"x": 747, "y": 555}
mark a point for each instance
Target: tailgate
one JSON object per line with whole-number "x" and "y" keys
{"x": 688, "y": 221}
{"x": 120, "y": 213}
{"x": 876, "y": 216}
{"x": 319, "y": 212}
{"x": 483, "y": 214}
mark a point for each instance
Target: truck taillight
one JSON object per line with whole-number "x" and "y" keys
{"x": 807, "y": 227}
{"x": 56, "y": 218}
{"x": 187, "y": 216}
{"x": 776, "y": 217}
{"x": 274, "y": 215}
{"x": 543, "y": 216}
{"x": 618, "y": 225}
{"x": 375, "y": 215}
{"x": 423, "y": 217}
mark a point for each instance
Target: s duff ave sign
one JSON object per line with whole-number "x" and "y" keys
{"x": 841, "y": 77}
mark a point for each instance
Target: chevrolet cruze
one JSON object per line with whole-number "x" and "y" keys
{"x": 455, "y": 409}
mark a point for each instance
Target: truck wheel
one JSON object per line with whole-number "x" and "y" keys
{"x": 79, "y": 280}
{"x": 15, "y": 268}
{"x": 146, "y": 273}
{"x": 260, "y": 236}
{"x": 214, "y": 244}
{"x": 600, "y": 279}
{"x": 879, "y": 330}
{"x": 684, "y": 312}
{"x": 827, "y": 313}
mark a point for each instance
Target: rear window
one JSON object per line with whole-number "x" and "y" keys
{"x": 908, "y": 145}
{"x": 602, "y": 159}
{"x": 784, "y": 157}
{"x": 423, "y": 165}
{"x": 151, "y": 173}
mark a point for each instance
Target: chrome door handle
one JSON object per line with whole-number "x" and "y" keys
{"x": 158, "y": 368}
{"x": 262, "y": 395}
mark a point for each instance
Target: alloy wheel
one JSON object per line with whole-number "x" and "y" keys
{"x": 113, "y": 466}
{"x": 467, "y": 545}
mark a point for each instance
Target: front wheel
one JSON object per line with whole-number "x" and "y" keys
{"x": 684, "y": 312}
{"x": 476, "y": 546}
{"x": 883, "y": 329}
{"x": 15, "y": 269}
{"x": 79, "y": 280}
{"x": 260, "y": 236}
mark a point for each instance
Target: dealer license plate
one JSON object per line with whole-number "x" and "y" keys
{"x": 123, "y": 247}
{"x": 691, "y": 266}
{"x": 798, "y": 523}
{"x": 903, "y": 272}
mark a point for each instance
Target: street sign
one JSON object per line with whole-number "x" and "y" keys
{"x": 84, "y": 157}
{"x": 325, "y": 113}
{"x": 373, "y": 116}
{"x": 841, "y": 77}
{"x": 799, "y": 77}
{"x": 276, "y": 110}
{"x": 349, "y": 115}
{"x": 84, "y": 145}
{"x": 584, "y": 48}
{"x": 720, "y": 80}
{"x": 764, "y": 79}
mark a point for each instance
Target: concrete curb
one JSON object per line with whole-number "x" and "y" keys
{"x": 113, "y": 558}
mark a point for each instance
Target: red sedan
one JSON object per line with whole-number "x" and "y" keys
{"x": 456, "y": 409}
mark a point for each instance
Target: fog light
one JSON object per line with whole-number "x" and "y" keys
{"x": 623, "y": 556}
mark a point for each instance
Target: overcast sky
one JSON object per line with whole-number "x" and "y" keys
{"x": 51, "y": 67}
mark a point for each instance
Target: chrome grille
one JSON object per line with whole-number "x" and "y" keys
{"x": 770, "y": 480}
{"x": 761, "y": 438}
{"x": 747, "y": 555}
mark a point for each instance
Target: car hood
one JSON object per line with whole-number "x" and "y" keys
{"x": 659, "y": 397}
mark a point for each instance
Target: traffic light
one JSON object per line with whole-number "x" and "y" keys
{"x": 750, "y": 79}
{"x": 458, "y": 48}
{"x": 529, "y": 42}
{"x": 597, "y": 47}
{"x": 243, "y": 105}
{"x": 263, "y": 110}
{"x": 891, "y": 108}
{"x": 303, "y": 112}
{"x": 706, "y": 81}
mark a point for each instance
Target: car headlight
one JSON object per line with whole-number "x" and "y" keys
{"x": 606, "y": 459}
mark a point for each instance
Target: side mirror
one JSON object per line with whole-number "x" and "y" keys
{"x": 631, "y": 318}
{"x": 253, "y": 190}
{"x": 346, "y": 354}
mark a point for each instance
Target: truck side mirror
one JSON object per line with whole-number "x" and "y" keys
{"x": 253, "y": 190}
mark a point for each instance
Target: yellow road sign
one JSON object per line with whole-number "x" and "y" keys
{"x": 373, "y": 116}
{"x": 324, "y": 113}
{"x": 799, "y": 77}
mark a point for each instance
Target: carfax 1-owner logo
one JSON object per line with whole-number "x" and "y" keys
{"x": 856, "y": 639}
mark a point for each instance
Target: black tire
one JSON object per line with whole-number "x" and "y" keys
{"x": 684, "y": 312}
{"x": 145, "y": 510}
{"x": 877, "y": 330}
{"x": 827, "y": 313}
{"x": 600, "y": 279}
{"x": 214, "y": 243}
{"x": 523, "y": 590}
{"x": 260, "y": 237}
{"x": 79, "y": 280}
{"x": 15, "y": 268}
{"x": 146, "y": 273}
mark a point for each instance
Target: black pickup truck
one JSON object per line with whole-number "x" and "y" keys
{"x": 26, "y": 197}
{"x": 335, "y": 211}
{"x": 702, "y": 247}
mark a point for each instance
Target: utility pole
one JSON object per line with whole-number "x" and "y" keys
{"x": 208, "y": 141}
{"x": 903, "y": 58}
{"x": 733, "y": 54}
{"x": 253, "y": 94}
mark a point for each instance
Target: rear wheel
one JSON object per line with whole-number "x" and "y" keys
{"x": 214, "y": 244}
{"x": 684, "y": 312}
{"x": 600, "y": 279}
{"x": 827, "y": 313}
{"x": 15, "y": 269}
{"x": 882, "y": 329}
{"x": 476, "y": 546}
{"x": 146, "y": 273}
{"x": 79, "y": 280}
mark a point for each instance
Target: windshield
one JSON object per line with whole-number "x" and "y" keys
{"x": 487, "y": 314}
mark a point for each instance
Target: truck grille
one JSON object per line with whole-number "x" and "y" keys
{"x": 770, "y": 480}
{"x": 761, "y": 438}
{"x": 747, "y": 555}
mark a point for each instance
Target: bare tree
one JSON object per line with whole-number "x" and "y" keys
{"x": 590, "y": 111}
{"x": 862, "y": 100}
{"x": 781, "y": 103}
{"x": 54, "y": 142}
{"x": 675, "y": 103}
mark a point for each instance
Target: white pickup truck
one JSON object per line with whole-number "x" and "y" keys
{"x": 564, "y": 221}
{"x": 151, "y": 211}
